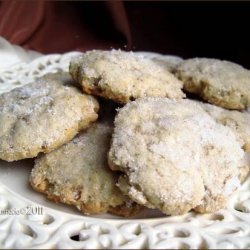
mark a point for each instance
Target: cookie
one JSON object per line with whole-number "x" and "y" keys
{"x": 77, "y": 174}
{"x": 238, "y": 121}
{"x": 168, "y": 61}
{"x": 222, "y": 83}
{"x": 174, "y": 156}
{"x": 123, "y": 76}
{"x": 42, "y": 116}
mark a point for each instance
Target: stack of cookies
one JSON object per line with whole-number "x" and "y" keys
{"x": 121, "y": 132}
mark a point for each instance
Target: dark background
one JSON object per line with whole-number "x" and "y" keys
{"x": 188, "y": 29}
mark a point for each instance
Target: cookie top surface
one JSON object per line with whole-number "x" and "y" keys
{"x": 168, "y": 61}
{"x": 238, "y": 121}
{"x": 174, "y": 156}
{"x": 222, "y": 83}
{"x": 43, "y": 115}
{"x": 77, "y": 173}
{"x": 123, "y": 76}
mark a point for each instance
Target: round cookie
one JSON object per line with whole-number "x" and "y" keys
{"x": 238, "y": 121}
{"x": 174, "y": 156}
{"x": 77, "y": 174}
{"x": 123, "y": 76}
{"x": 42, "y": 116}
{"x": 222, "y": 83}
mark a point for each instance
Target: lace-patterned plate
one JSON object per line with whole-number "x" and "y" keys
{"x": 60, "y": 226}
{"x": 24, "y": 73}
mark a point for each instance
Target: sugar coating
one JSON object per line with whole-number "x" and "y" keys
{"x": 77, "y": 173}
{"x": 123, "y": 76}
{"x": 238, "y": 121}
{"x": 168, "y": 61}
{"x": 174, "y": 156}
{"x": 43, "y": 115}
{"x": 222, "y": 83}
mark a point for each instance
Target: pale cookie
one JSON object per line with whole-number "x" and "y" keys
{"x": 174, "y": 156}
{"x": 123, "y": 76}
{"x": 77, "y": 174}
{"x": 168, "y": 61}
{"x": 42, "y": 116}
{"x": 238, "y": 121}
{"x": 222, "y": 83}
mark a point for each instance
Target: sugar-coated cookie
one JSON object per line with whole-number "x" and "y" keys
{"x": 174, "y": 156}
{"x": 170, "y": 62}
{"x": 42, "y": 116}
{"x": 222, "y": 83}
{"x": 123, "y": 76}
{"x": 238, "y": 121}
{"x": 77, "y": 174}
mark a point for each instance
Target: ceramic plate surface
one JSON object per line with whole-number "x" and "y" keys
{"x": 28, "y": 220}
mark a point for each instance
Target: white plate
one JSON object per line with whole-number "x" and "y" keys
{"x": 61, "y": 226}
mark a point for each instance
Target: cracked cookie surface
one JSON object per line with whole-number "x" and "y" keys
{"x": 123, "y": 76}
{"x": 174, "y": 156}
{"x": 42, "y": 116}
